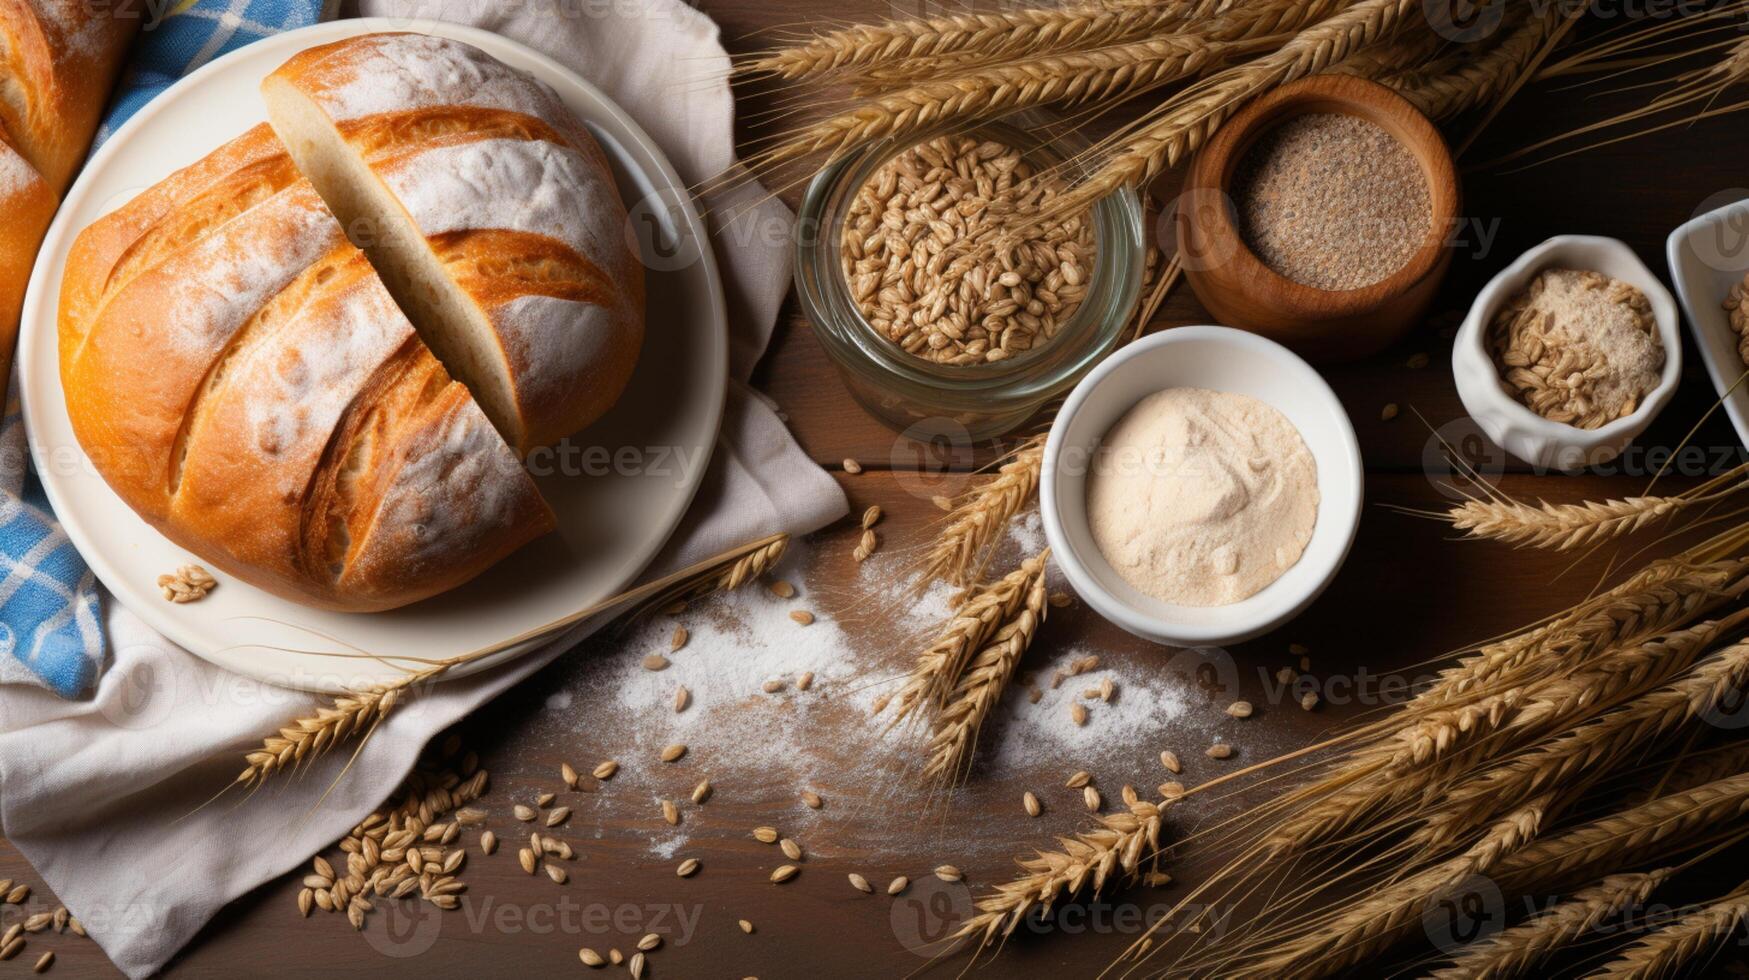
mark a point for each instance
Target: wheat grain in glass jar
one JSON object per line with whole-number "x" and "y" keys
{"x": 927, "y": 254}
{"x": 940, "y": 302}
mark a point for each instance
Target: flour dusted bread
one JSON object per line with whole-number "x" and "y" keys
{"x": 238, "y": 374}
{"x": 58, "y": 59}
{"x": 489, "y": 211}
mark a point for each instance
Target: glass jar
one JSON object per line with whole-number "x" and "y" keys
{"x": 976, "y": 401}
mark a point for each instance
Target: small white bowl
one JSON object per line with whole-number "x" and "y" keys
{"x": 1544, "y": 444}
{"x": 1708, "y": 255}
{"x": 1221, "y": 359}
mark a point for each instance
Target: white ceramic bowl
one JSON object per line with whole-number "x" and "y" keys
{"x": 1708, "y": 255}
{"x": 1523, "y": 433}
{"x": 1221, "y": 359}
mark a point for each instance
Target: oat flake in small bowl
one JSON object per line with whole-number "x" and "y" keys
{"x": 1578, "y": 347}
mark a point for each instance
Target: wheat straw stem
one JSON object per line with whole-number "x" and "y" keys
{"x": 976, "y": 523}
{"x": 1014, "y": 34}
{"x": 1518, "y": 950}
{"x": 1666, "y": 951}
{"x": 357, "y": 712}
{"x": 973, "y": 624}
{"x": 969, "y": 704}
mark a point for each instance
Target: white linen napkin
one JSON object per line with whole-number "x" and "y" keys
{"x": 98, "y": 794}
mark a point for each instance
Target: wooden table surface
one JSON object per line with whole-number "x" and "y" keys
{"x": 1407, "y": 594}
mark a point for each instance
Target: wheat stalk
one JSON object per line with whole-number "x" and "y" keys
{"x": 977, "y": 521}
{"x": 1666, "y": 951}
{"x": 356, "y": 713}
{"x": 1186, "y": 120}
{"x": 1470, "y": 81}
{"x": 1663, "y": 595}
{"x": 1648, "y": 832}
{"x": 1516, "y": 951}
{"x": 1522, "y": 714}
{"x": 1014, "y": 34}
{"x": 968, "y": 705}
{"x": 1102, "y": 74}
{"x": 973, "y": 624}
{"x": 1561, "y": 527}
{"x": 307, "y": 739}
{"x": 1587, "y": 749}
{"x": 1115, "y": 849}
{"x": 1376, "y": 921}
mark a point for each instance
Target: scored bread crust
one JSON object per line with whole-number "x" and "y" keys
{"x": 491, "y": 212}
{"x": 238, "y": 374}
{"x": 58, "y": 59}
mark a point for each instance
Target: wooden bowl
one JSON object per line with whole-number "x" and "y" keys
{"x": 1241, "y": 291}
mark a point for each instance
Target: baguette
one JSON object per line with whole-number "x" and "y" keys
{"x": 238, "y": 374}
{"x": 490, "y": 212}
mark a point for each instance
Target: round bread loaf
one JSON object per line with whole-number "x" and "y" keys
{"x": 238, "y": 374}
{"x": 488, "y": 209}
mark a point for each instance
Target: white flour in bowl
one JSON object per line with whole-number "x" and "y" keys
{"x": 1202, "y": 498}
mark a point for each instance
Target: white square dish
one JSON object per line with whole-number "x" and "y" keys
{"x": 1707, "y": 256}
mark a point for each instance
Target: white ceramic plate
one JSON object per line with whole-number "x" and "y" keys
{"x": 619, "y": 488}
{"x": 1222, "y": 359}
{"x": 1708, "y": 255}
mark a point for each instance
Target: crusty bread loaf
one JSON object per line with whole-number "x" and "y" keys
{"x": 238, "y": 374}
{"x": 58, "y": 59}
{"x": 489, "y": 211}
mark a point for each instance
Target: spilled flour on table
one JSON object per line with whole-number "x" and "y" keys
{"x": 767, "y": 747}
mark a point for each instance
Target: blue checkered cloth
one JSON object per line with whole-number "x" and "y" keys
{"x": 51, "y": 623}
{"x": 194, "y": 33}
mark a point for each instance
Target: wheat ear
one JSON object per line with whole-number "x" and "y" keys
{"x": 350, "y": 715}
{"x": 1516, "y": 951}
{"x": 1649, "y": 832}
{"x": 973, "y": 624}
{"x": 1473, "y": 81}
{"x": 1520, "y": 715}
{"x": 1665, "y": 952}
{"x": 357, "y": 713}
{"x": 1561, "y": 527}
{"x": 1115, "y": 849}
{"x": 1663, "y": 595}
{"x": 1589, "y": 748}
{"x": 1375, "y": 922}
{"x": 1102, "y": 74}
{"x": 978, "y": 520}
{"x": 1014, "y": 34}
{"x": 1186, "y": 121}
{"x": 955, "y": 731}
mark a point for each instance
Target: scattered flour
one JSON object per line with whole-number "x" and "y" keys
{"x": 765, "y": 748}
